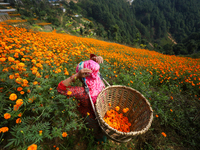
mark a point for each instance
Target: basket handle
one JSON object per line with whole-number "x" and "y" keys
{"x": 103, "y": 79}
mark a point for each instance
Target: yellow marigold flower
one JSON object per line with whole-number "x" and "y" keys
{"x": 4, "y": 129}
{"x": 69, "y": 92}
{"x": 13, "y": 97}
{"x": 19, "y": 102}
{"x": 64, "y": 134}
{"x": 7, "y": 115}
{"x": 18, "y": 120}
{"x": 88, "y": 113}
{"x": 32, "y": 147}
{"x": 21, "y": 64}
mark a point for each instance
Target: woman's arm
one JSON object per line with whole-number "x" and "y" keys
{"x": 97, "y": 59}
{"x": 81, "y": 74}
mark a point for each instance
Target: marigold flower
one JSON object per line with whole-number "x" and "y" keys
{"x": 20, "y": 114}
{"x": 18, "y": 120}
{"x": 88, "y": 113}
{"x": 163, "y": 133}
{"x": 19, "y": 89}
{"x": 2, "y": 59}
{"x": 32, "y": 147}
{"x": 4, "y": 129}
{"x": 7, "y": 115}
{"x": 69, "y": 92}
{"x": 13, "y": 97}
{"x": 109, "y": 104}
{"x": 171, "y": 110}
{"x": 35, "y": 82}
{"x": 117, "y": 108}
{"x": 19, "y": 102}
{"x": 22, "y": 92}
{"x": 157, "y": 116}
{"x": 16, "y": 107}
{"x": 57, "y": 148}
{"x": 40, "y": 132}
{"x": 11, "y": 76}
{"x": 64, "y": 134}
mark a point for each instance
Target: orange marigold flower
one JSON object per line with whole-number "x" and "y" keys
{"x": 19, "y": 89}
{"x": 22, "y": 92}
{"x": 109, "y": 104}
{"x": 64, "y": 134}
{"x": 69, "y": 92}
{"x": 4, "y": 129}
{"x": 88, "y": 113}
{"x": 117, "y": 108}
{"x": 11, "y": 76}
{"x": 57, "y": 148}
{"x": 20, "y": 114}
{"x": 2, "y": 59}
{"x": 35, "y": 82}
{"x": 157, "y": 116}
{"x": 7, "y": 115}
{"x": 163, "y": 133}
{"x": 18, "y": 120}
{"x": 171, "y": 110}
{"x": 13, "y": 97}
{"x": 32, "y": 147}
{"x": 16, "y": 107}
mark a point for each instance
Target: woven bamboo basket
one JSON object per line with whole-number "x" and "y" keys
{"x": 140, "y": 113}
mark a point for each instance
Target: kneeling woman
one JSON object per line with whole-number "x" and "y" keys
{"x": 89, "y": 70}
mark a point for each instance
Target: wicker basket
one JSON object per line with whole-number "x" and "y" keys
{"x": 140, "y": 113}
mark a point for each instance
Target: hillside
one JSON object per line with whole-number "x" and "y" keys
{"x": 34, "y": 114}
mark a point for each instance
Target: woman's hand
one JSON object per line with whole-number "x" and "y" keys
{"x": 98, "y": 59}
{"x": 84, "y": 73}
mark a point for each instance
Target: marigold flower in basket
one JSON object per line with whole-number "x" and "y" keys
{"x": 117, "y": 108}
{"x": 7, "y": 115}
{"x": 117, "y": 121}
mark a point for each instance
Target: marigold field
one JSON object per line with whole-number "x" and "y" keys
{"x": 35, "y": 116}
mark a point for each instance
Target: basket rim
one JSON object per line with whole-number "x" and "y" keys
{"x": 132, "y": 133}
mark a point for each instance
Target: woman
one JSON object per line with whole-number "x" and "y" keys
{"x": 90, "y": 71}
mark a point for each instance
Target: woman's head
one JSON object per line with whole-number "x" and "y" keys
{"x": 90, "y": 64}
